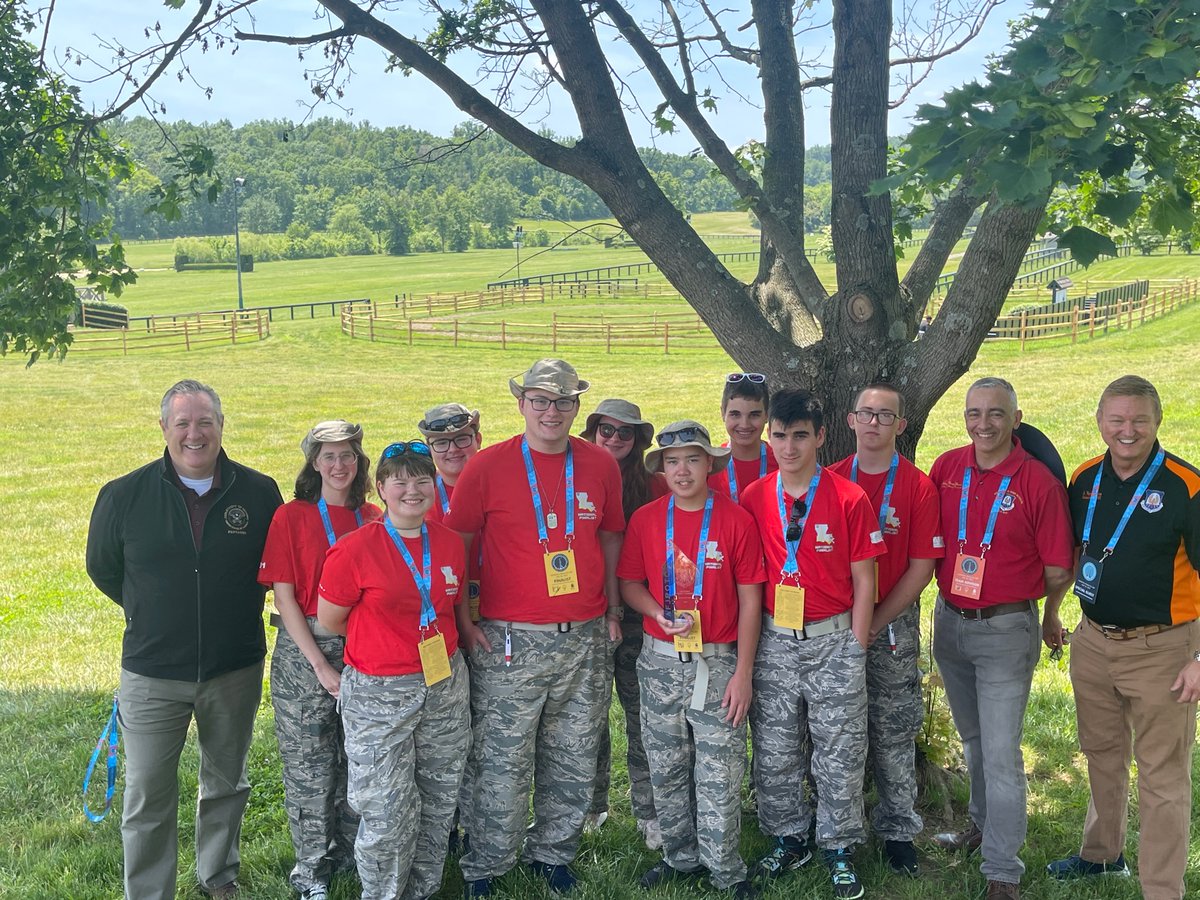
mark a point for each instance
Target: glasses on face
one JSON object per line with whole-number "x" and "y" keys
{"x": 450, "y": 423}
{"x": 682, "y": 436}
{"x": 799, "y": 509}
{"x": 752, "y": 377}
{"x": 541, "y": 404}
{"x": 864, "y": 416}
{"x": 346, "y": 457}
{"x": 461, "y": 441}
{"x": 413, "y": 448}
{"x": 623, "y": 432}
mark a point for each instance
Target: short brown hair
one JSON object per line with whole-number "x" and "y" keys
{"x": 409, "y": 463}
{"x": 1132, "y": 386}
{"x": 883, "y": 386}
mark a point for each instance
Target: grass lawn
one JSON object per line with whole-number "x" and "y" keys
{"x": 74, "y": 425}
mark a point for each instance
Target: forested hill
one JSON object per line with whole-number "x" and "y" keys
{"x": 303, "y": 174}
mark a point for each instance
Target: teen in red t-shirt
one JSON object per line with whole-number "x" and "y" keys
{"x": 744, "y": 414}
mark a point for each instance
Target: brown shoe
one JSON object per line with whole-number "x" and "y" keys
{"x": 1003, "y": 890}
{"x": 968, "y": 840}
{"x": 224, "y": 892}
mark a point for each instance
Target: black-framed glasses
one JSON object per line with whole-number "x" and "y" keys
{"x": 541, "y": 404}
{"x": 623, "y": 432}
{"x": 449, "y": 423}
{"x": 681, "y": 436}
{"x": 752, "y": 377}
{"x": 864, "y": 416}
{"x": 799, "y": 511}
{"x": 399, "y": 448}
{"x": 462, "y": 441}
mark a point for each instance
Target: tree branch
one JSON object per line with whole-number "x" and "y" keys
{"x": 288, "y": 39}
{"x": 949, "y": 221}
{"x": 743, "y": 54}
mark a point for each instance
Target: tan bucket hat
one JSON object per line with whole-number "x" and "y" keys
{"x": 686, "y": 433}
{"x": 448, "y": 418}
{"x": 553, "y": 375}
{"x": 622, "y": 411}
{"x": 331, "y": 432}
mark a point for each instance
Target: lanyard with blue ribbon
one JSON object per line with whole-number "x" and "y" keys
{"x": 732, "y": 475}
{"x": 323, "y": 509}
{"x": 698, "y": 589}
{"x": 421, "y": 578}
{"x": 790, "y": 566}
{"x": 543, "y": 537}
{"x": 986, "y": 543}
{"x": 443, "y": 497}
{"x": 112, "y": 735}
{"x": 887, "y": 488}
{"x": 1133, "y": 502}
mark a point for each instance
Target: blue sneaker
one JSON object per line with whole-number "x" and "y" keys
{"x": 846, "y": 885}
{"x": 1078, "y": 867}
{"x": 560, "y": 878}
{"x": 789, "y": 853}
{"x": 481, "y": 887}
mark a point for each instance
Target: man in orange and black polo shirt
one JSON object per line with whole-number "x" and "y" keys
{"x": 1135, "y": 660}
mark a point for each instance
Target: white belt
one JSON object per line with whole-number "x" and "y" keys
{"x": 840, "y": 622}
{"x": 700, "y": 688}
{"x": 561, "y": 627}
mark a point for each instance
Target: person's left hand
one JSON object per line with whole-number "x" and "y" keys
{"x": 1188, "y": 683}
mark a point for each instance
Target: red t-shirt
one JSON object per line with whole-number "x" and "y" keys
{"x": 366, "y": 572}
{"x": 437, "y": 514}
{"x": 296, "y": 546}
{"x": 1032, "y": 531}
{"x": 733, "y": 557}
{"x": 913, "y": 528}
{"x": 842, "y": 528}
{"x": 745, "y": 471}
{"x": 493, "y": 496}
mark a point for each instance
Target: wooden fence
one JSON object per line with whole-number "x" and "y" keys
{"x": 192, "y": 332}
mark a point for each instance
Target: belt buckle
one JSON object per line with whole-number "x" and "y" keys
{"x": 563, "y": 627}
{"x": 1112, "y": 632}
{"x": 684, "y": 657}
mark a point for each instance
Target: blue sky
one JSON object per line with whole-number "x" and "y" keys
{"x": 266, "y": 81}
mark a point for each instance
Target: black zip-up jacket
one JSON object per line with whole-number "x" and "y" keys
{"x": 189, "y": 616}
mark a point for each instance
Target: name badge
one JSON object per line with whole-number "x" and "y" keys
{"x": 473, "y": 599}
{"x": 789, "y": 606}
{"x": 691, "y": 641}
{"x": 435, "y": 662}
{"x": 968, "y": 576}
{"x": 1087, "y": 579}
{"x": 561, "y": 576}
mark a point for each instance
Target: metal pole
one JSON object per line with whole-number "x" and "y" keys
{"x": 238, "y": 184}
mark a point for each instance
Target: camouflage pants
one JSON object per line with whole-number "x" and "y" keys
{"x": 406, "y": 744}
{"x": 625, "y": 676}
{"x": 311, "y": 745}
{"x": 894, "y": 715}
{"x": 697, "y": 761}
{"x": 821, "y": 682}
{"x": 466, "y": 792}
{"x": 539, "y": 722}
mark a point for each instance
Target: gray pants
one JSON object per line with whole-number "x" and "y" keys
{"x": 311, "y": 746}
{"x": 821, "y": 682}
{"x": 894, "y": 715}
{"x": 406, "y": 744}
{"x": 987, "y": 668}
{"x": 155, "y": 715}
{"x": 539, "y": 722}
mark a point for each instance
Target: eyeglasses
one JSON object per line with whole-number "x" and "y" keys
{"x": 413, "y": 448}
{"x": 541, "y": 404}
{"x": 682, "y": 436}
{"x": 462, "y": 441}
{"x": 623, "y": 432}
{"x": 799, "y": 511}
{"x": 752, "y": 377}
{"x": 864, "y": 416}
{"x": 450, "y": 423}
{"x": 346, "y": 457}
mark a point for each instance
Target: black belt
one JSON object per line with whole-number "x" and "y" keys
{"x": 996, "y": 609}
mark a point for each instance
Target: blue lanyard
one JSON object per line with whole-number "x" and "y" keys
{"x": 443, "y": 497}
{"x": 537, "y": 496}
{"x": 790, "y": 566}
{"x": 887, "y": 488}
{"x": 1133, "y": 501}
{"x": 111, "y": 733}
{"x": 732, "y": 475}
{"x": 698, "y": 590}
{"x": 422, "y": 578}
{"x": 323, "y": 509}
{"x": 986, "y": 543}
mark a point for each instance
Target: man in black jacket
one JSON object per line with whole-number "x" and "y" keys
{"x": 177, "y": 544}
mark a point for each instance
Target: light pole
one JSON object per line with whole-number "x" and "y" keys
{"x": 238, "y": 184}
{"x": 518, "y": 243}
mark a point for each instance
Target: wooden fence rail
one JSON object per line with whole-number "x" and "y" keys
{"x": 188, "y": 333}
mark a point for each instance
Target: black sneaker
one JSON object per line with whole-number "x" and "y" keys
{"x": 1077, "y": 867}
{"x": 561, "y": 879}
{"x": 663, "y": 872}
{"x": 744, "y": 890}
{"x": 481, "y": 887}
{"x": 846, "y": 885}
{"x": 790, "y": 853}
{"x": 901, "y": 857}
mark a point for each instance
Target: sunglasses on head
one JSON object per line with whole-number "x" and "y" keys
{"x": 450, "y": 423}
{"x": 682, "y": 436}
{"x": 752, "y": 377}
{"x": 413, "y": 448}
{"x": 624, "y": 432}
{"x": 799, "y": 510}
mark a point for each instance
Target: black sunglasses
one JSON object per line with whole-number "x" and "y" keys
{"x": 682, "y": 436}
{"x": 450, "y": 423}
{"x": 799, "y": 510}
{"x": 752, "y": 377}
{"x": 624, "y": 432}
{"x": 415, "y": 448}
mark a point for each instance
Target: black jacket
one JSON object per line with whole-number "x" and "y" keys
{"x": 188, "y": 616}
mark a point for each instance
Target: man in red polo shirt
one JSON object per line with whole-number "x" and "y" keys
{"x": 906, "y": 508}
{"x": 820, "y": 538}
{"x": 1009, "y": 543}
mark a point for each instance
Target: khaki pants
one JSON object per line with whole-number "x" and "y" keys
{"x": 1122, "y": 688}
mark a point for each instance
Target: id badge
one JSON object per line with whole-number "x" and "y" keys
{"x": 473, "y": 599}
{"x": 1087, "y": 579}
{"x": 435, "y": 662}
{"x": 561, "y": 576}
{"x": 789, "y": 606}
{"x": 691, "y": 641}
{"x": 968, "y": 576}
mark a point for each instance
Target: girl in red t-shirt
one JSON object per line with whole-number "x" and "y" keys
{"x": 391, "y": 588}
{"x": 306, "y": 665}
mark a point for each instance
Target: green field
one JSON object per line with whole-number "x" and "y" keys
{"x": 72, "y": 426}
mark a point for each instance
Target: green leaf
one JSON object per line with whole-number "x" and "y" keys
{"x": 1119, "y": 208}
{"x": 1017, "y": 182}
{"x": 1120, "y": 160}
{"x": 1172, "y": 210}
{"x": 1086, "y": 245}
